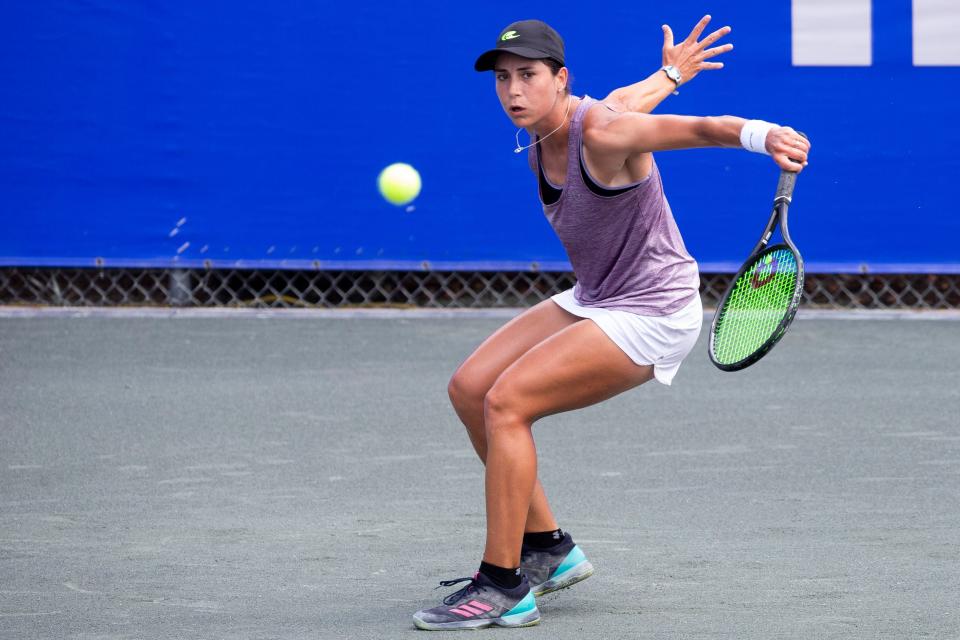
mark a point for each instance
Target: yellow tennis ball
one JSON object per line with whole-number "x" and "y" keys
{"x": 399, "y": 183}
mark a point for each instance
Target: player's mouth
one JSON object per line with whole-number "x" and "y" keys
{"x": 515, "y": 111}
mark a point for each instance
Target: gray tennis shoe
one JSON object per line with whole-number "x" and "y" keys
{"x": 481, "y": 604}
{"x": 558, "y": 567}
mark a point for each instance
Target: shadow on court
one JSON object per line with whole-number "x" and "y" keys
{"x": 305, "y": 477}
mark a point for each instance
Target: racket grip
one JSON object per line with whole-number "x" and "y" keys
{"x": 788, "y": 180}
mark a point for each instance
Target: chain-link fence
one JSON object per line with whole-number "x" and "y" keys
{"x": 447, "y": 289}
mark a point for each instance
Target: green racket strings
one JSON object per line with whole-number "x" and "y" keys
{"x": 760, "y": 299}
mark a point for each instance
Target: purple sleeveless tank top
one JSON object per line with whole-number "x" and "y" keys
{"x": 626, "y": 250}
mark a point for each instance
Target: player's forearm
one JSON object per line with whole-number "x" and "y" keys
{"x": 627, "y": 134}
{"x": 788, "y": 148}
{"x": 720, "y": 131}
{"x": 643, "y": 96}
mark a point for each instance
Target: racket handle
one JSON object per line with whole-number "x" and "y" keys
{"x": 788, "y": 180}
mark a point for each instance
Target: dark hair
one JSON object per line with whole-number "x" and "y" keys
{"x": 555, "y": 67}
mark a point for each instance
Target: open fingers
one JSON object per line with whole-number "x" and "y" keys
{"x": 698, "y": 29}
{"x": 713, "y": 37}
{"x": 667, "y": 37}
{"x": 709, "y": 53}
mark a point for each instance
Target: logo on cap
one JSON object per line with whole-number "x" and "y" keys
{"x": 510, "y": 35}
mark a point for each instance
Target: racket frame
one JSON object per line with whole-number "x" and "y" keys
{"x": 781, "y": 205}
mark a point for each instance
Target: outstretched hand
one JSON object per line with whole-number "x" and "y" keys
{"x": 788, "y": 148}
{"x": 689, "y": 56}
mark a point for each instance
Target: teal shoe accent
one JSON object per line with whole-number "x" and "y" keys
{"x": 524, "y": 606}
{"x": 575, "y": 557}
{"x": 524, "y": 614}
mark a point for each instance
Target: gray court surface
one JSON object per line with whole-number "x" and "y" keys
{"x": 303, "y": 476}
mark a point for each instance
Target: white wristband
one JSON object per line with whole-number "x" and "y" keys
{"x": 753, "y": 136}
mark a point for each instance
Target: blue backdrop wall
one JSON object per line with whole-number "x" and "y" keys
{"x": 240, "y": 134}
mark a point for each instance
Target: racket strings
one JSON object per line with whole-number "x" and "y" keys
{"x": 760, "y": 299}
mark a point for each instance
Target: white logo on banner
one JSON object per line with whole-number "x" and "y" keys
{"x": 839, "y": 33}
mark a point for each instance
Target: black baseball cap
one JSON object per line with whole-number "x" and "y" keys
{"x": 532, "y": 39}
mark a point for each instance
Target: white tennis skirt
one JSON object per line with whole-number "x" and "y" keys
{"x": 661, "y": 341}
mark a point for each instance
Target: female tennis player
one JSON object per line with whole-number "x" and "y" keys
{"x": 632, "y": 317}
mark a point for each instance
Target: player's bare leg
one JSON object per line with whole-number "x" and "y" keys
{"x": 576, "y": 367}
{"x": 474, "y": 378}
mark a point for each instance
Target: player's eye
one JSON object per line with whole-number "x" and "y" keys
{"x": 501, "y": 76}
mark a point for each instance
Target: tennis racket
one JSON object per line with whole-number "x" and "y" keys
{"x": 762, "y": 300}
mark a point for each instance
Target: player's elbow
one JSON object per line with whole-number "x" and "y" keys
{"x": 616, "y": 101}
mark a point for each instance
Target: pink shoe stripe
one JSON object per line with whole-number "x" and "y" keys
{"x": 473, "y": 610}
{"x": 465, "y": 614}
{"x": 480, "y": 605}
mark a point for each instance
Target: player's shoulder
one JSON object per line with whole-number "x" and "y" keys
{"x": 602, "y": 112}
{"x": 602, "y": 124}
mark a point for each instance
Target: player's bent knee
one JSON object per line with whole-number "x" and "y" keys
{"x": 464, "y": 391}
{"x": 501, "y": 410}
{"x": 458, "y": 389}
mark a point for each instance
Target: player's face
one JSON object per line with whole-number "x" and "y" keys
{"x": 527, "y": 88}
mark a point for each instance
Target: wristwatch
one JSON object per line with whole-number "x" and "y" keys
{"x": 674, "y": 74}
